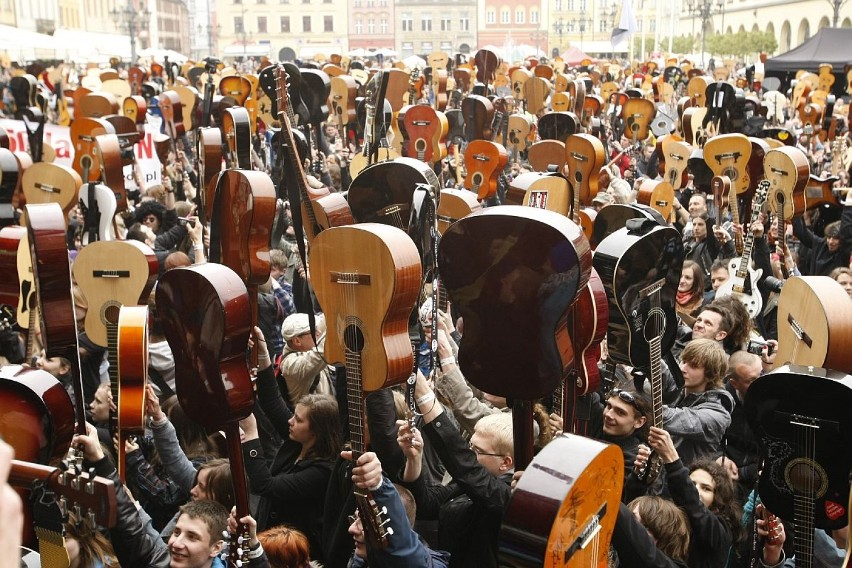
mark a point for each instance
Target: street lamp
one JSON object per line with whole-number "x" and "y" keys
{"x": 559, "y": 27}
{"x": 133, "y": 21}
{"x": 212, "y": 32}
{"x": 704, "y": 9}
{"x": 536, "y": 36}
{"x": 582, "y": 23}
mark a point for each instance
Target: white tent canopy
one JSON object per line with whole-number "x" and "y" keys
{"x": 158, "y": 54}
{"x": 92, "y": 46}
{"x": 248, "y": 50}
{"x": 22, "y": 45}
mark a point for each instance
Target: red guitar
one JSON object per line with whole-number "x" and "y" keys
{"x": 132, "y": 359}
{"x": 427, "y": 131}
{"x": 205, "y": 315}
{"x": 484, "y": 161}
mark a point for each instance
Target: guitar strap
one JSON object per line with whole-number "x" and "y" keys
{"x": 92, "y": 215}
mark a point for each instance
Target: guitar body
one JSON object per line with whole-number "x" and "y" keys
{"x": 206, "y": 319}
{"x": 500, "y": 268}
{"x": 10, "y": 239}
{"x": 658, "y": 194}
{"x": 675, "y": 154}
{"x": 427, "y": 133}
{"x": 209, "y": 141}
{"x": 544, "y": 191}
{"x": 818, "y": 191}
{"x": 366, "y": 277}
{"x": 521, "y": 132}
{"x": 813, "y": 327}
{"x": 629, "y": 262}
{"x": 584, "y": 157}
{"x": 36, "y": 414}
{"x": 800, "y": 415}
{"x": 637, "y": 115}
{"x": 383, "y": 192}
{"x": 111, "y": 274}
{"x": 455, "y": 204}
{"x": 563, "y": 510}
{"x": 83, "y": 133}
{"x": 244, "y": 212}
{"x": 235, "y": 86}
{"x": 728, "y": 155}
{"x": 236, "y": 129}
{"x": 558, "y": 126}
{"x": 344, "y": 89}
{"x": 545, "y": 153}
{"x": 132, "y": 358}
{"x": 105, "y": 200}
{"x": 743, "y": 289}
{"x": 587, "y": 325}
{"x": 788, "y": 170}
{"x": 478, "y": 114}
{"x": 484, "y": 161}
{"x": 96, "y": 105}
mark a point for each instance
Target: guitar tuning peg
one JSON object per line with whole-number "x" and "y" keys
{"x": 92, "y": 519}
{"x": 389, "y": 530}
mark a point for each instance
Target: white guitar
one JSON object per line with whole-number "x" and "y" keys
{"x": 743, "y": 281}
{"x": 106, "y": 207}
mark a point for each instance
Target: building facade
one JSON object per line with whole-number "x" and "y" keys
{"x": 435, "y": 25}
{"x": 371, "y": 24}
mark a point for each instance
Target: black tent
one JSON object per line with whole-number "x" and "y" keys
{"x": 829, "y": 45}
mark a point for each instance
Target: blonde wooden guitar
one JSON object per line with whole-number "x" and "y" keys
{"x": 544, "y": 191}
{"x": 455, "y": 204}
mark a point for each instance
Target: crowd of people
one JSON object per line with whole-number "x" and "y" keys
{"x": 441, "y": 477}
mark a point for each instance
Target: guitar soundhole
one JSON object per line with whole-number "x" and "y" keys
{"x": 655, "y": 324}
{"x": 805, "y": 476}
{"x": 477, "y": 179}
{"x": 353, "y": 338}
{"x": 109, "y": 313}
{"x": 420, "y": 145}
{"x": 578, "y": 176}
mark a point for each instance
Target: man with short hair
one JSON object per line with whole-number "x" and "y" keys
{"x": 830, "y": 251}
{"x": 741, "y": 452}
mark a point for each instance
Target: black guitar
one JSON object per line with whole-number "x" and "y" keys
{"x": 720, "y": 97}
{"x": 801, "y": 418}
{"x": 558, "y": 125}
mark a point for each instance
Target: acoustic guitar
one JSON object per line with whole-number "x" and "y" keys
{"x": 367, "y": 277}
{"x": 546, "y": 153}
{"x": 10, "y": 291}
{"x": 97, "y": 201}
{"x": 46, "y": 182}
{"x": 787, "y": 170}
{"x": 558, "y": 126}
{"x": 637, "y": 115}
{"x": 132, "y": 359}
{"x": 675, "y": 154}
{"x": 383, "y": 192}
{"x": 658, "y": 194}
{"x": 799, "y": 416}
{"x": 205, "y": 314}
{"x": 563, "y": 510}
{"x": 236, "y": 86}
{"x": 544, "y": 191}
{"x": 83, "y": 132}
{"x": 500, "y": 270}
{"x": 320, "y": 208}
{"x": 236, "y": 130}
{"x": 728, "y": 155}
{"x": 812, "y": 328}
{"x": 427, "y": 131}
{"x": 743, "y": 281}
{"x": 584, "y": 156}
{"x": 484, "y": 161}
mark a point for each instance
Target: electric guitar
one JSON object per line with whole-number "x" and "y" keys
{"x": 743, "y": 281}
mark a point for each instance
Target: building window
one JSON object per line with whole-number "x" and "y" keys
{"x": 464, "y": 22}
{"x": 426, "y": 47}
{"x": 447, "y": 46}
{"x": 407, "y": 22}
{"x": 490, "y": 16}
{"x": 653, "y": 26}
{"x": 426, "y": 22}
{"x": 306, "y": 23}
{"x": 520, "y": 16}
{"x": 371, "y": 26}
{"x": 582, "y": 5}
{"x": 505, "y": 16}
{"x": 534, "y": 16}
{"x": 328, "y": 23}
{"x": 359, "y": 27}
{"x": 239, "y": 27}
{"x": 570, "y": 5}
{"x": 446, "y": 24}
{"x": 557, "y": 6}
{"x": 357, "y": 3}
{"x": 285, "y": 24}
{"x": 383, "y": 3}
{"x": 383, "y": 26}
{"x": 261, "y": 24}
{"x": 370, "y": 3}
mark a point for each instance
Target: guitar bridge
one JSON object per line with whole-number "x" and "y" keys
{"x": 799, "y": 331}
{"x": 350, "y": 278}
{"x": 650, "y": 289}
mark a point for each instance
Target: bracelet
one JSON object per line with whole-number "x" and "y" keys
{"x": 448, "y": 361}
{"x": 198, "y": 246}
{"x": 377, "y": 487}
{"x": 426, "y": 398}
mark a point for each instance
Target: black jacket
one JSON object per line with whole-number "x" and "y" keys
{"x": 470, "y": 508}
{"x": 634, "y": 545}
{"x": 821, "y": 261}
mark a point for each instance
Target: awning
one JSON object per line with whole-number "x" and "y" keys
{"x": 92, "y": 46}
{"x": 24, "y": 45}
{"x": 308, "y": 51}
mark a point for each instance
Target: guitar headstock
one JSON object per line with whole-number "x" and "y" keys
{"x": 373, "y": 520}
{"x": 281, "y": 93}
{"x": 82, "y": 492}
{"x": 8, "y": 317}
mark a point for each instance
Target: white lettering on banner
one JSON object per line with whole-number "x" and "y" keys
{"x": 60, "y": 138}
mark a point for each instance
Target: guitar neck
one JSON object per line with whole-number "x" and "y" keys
{"x": 240, "y": 541}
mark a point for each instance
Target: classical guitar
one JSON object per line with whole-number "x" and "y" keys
{"x": 658, "y": 194}
{"x": 320, "y": 208}
{"x": 236, "y": 130}
{"x": 367, "y": 277}
{"x": 563, "y": 510}
{"x": 10, "y": 291}
{"x": 427, "y": 131}
{"x": 637, "y": 115}
{"x": 383, "y": 192}
{"x": 587, "y": 325}
{"x": 787, "y": 170}
{"x": 96, "y": 104}
{"x": 484, "y": 161}
{"x": 83, "y": 133}
{"x": 726, "y": 198}
{"x": 378, "y": 117}
{"x": 543, "y": 191}
{"x": 478, "y": 114}
{"x": 675, "y": 154}
{"x": 743, "y": 281}
{"x": 132, "y": 359}
{"x": 812, "y": 323}
{"x": 236, "y": 86}
{"x": 46, "y": 182}
{"x": 799, "y": 416}
{"x": 344, "y": 89}
{"x": 728, "y": 155}
{"x": 584, "y": 156}
{"x": 97, "y": 202}
{"x": 206, "y": 320}
{"x": 558, "y": 125}
{"x": 546, "y": 153}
